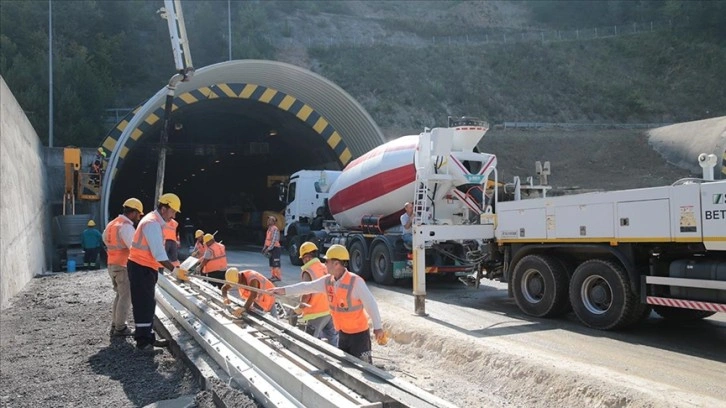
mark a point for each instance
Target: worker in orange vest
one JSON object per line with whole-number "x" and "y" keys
{"x": 272, "y": 248}
{"x": 146, "y": 256}
{"x": 349, "y": 299}
{"x": 117, "y": 236}
{"x": 316, "y": 316}
{"x": 249, "y": 278}
{"x": 171, "y": 241}
{"x": 214, "y": 263}
{"x": 199, "y": 247}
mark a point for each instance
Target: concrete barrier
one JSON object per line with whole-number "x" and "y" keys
{"x": 680, "y": 144}
{"x": 24, "y": 205}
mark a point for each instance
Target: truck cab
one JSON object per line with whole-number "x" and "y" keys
{"x": 305, "y": 197}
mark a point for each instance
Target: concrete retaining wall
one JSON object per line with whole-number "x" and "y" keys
{"x": 681, "y": 143}
{"x": 24, "y": 205}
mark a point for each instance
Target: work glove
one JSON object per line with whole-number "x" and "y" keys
{"x": 298, "y": 310}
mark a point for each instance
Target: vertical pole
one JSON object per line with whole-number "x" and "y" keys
{"x": 161, "y": 168}
{"x": 50, "y": 74}
{"x": 229, "y": 28}
{"x": 419, "y": 272}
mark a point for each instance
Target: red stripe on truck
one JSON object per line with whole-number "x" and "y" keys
{"x": 371, "y": 188}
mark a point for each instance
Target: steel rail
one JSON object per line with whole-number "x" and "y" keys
{"x": 280, "y": 364}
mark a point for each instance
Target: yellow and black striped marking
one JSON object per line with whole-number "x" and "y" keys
{"x": 252, "y": 92}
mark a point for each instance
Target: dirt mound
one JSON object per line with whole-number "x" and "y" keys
{"x": 581, "y": 159}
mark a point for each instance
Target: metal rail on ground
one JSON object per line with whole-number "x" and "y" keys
{"x": 280, "y": 365}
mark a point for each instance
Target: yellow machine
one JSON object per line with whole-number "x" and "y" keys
{"x": 79, "y": 185}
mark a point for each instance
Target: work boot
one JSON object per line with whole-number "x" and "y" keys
{"x": 274, "y": 279}
{"x": 125, "y": 332}
{"x": 161, "y": 343}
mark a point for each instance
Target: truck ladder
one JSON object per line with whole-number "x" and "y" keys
{"x": 421, "y": 201}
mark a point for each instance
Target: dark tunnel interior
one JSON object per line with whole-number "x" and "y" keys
{"x": 220, "y": 153}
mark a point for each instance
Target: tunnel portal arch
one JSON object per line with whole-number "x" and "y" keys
{"x": 326, "y": 110}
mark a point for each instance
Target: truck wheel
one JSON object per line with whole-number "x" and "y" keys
{"x": 357, "y": 263}
{"x": 601, "y": 297}
{"x": 293, "y": 249}
{"x": 381, "y": 265}
{"x": 540, "y": 286}
{"x": 681, "y": 315}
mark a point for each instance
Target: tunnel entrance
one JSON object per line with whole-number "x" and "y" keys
{"x": 231, "y": 141}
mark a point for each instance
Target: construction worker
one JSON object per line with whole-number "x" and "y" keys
{"x": 406, "y": 223}
{"x": 91, "y": 243}
{"x": 316, "y": 317}
{"x": 98, "y": 166}
{"x": 199, "y": 247}
{"x": 249, "y": 278}
{"x": 146, "y": 256}
{"x": 118, "y": 236}
{"x": 171, "y": 241}
{"x": 214, "y": 262}
{"x": 349, "y": 299}
{"x": 272, "y": 248}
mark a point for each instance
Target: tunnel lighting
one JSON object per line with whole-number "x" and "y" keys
{"x": 193, "y": 174}
{"x": 216, "y": 161}
{"x": 185, "y": 180}
{"x": 231, "y": 153}
{"x": 201, "y": 169}
{"x": 272, "y": 132}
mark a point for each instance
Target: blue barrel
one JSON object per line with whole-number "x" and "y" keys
{"x": 71, "y": 265}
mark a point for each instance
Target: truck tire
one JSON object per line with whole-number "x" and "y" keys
{"x": 292, "y": 250}
{"x": 601, "y": 297}
{"x": 357, "y": 263}
{"x": 681, "y": 315}
{"x": 539, "y": 286}
{"x": 381, "y": 264}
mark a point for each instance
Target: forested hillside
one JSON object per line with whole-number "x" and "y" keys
{"x": 409, "y": 63}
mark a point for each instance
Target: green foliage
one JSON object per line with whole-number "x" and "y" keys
{"x": 117, "y": 53}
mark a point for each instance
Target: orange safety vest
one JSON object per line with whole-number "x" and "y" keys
{"x": 118, "y": 252}
{"x": 266, "y": 302}
{"x": 199, "y": 248}
{"x": 318, "y": 302}
{"x": 347, "y": 313}
{"x": 268, "y": 237}
{"x": 140, "y": 251}
{"x": 169, "y": 230}
{"x": 218, "y": 261}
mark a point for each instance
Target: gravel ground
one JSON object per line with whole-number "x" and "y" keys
{"x": 55, "y": 351}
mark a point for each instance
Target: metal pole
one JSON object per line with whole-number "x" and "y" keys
{"x": 50, "y": 74}
{"x": 161, "y": 168}
{"x": 229, "y": 28}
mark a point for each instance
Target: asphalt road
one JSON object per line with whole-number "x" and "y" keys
{"x": 680, "y": 362}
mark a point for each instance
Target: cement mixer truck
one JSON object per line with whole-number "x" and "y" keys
{"x": 361, "y": 206}
{"x": 610, "y": 257}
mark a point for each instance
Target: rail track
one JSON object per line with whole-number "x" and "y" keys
{"x": 280, "y": 365}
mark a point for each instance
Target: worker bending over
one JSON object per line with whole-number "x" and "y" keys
{"x": 171, "y": 241}
{"x": 253, "y": 279}
{"x": 146, "y": 256}
{"x": 272, "y": 248}
{"x": 91, "y": 243}
{"x": 199, "y": 247}
{"x": 118, "y": 236}
{"x": 214, "y": 263}
{"x": 316, "y": 316}
{"x": 349, "y": 299}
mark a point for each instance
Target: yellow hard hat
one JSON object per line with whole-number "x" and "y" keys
{"x": 307, "y": 247}
{"x": 91, "y": 223}
{"x": 172, "y": 200}
{"x": 337, "y": 251}
{"x": 207, "y": 238}
{"x": 134, "y": 203}
{"x": 232, "y": 275}
{"x": 198, "y": 234}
